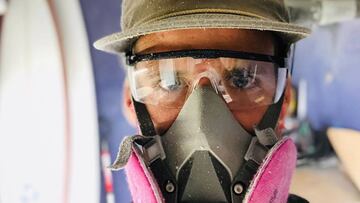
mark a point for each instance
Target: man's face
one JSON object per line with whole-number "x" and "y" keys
{"x": 222, "y": 39}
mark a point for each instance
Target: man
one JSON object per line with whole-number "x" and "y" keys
{"x": 208, "y": 84}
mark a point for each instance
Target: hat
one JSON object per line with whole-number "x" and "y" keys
{"x": 141, "y": 17}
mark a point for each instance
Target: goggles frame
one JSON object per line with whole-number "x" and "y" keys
{"x": 132, "y": 58}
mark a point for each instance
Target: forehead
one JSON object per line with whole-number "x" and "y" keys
{"x": 212, "y": 38}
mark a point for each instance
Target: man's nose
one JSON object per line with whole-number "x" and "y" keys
{"x": 204, "y": 81}
{"x": 205, "y": 75}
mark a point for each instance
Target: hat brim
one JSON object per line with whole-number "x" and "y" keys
{"x": 121, "y": 41}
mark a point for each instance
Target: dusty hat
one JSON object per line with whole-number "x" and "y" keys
{"x": 141, "y": 17}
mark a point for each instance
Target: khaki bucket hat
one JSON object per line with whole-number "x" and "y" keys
{"x": 141, "y": 17}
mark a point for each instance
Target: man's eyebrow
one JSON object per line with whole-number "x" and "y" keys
{"x": 148, "y": 49}
{"x": 162, "y": 48}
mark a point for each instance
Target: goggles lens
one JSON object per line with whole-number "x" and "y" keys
{"x": 243, "y": 83}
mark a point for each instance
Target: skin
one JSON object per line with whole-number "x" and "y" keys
{"x": 224, "y": 39}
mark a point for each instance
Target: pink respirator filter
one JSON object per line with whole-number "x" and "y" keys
{"x": 271, "y": 183}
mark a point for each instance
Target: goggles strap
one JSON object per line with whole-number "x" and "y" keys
{"x": 146, "y": 125}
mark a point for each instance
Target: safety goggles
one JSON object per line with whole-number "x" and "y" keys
{"x": 245, "y": 80}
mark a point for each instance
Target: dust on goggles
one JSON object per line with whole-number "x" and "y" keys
{"x": 245, "y": 80}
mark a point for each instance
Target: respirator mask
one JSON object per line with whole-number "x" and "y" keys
{"x": 206, "y": 155}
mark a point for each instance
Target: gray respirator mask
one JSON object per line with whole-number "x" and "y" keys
{"x": 206, "y": 155}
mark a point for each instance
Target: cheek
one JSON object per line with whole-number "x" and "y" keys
{"x": 162, "y": 117}
{"x": 249, "y": 118}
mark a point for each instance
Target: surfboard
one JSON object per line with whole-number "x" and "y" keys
{"x": 345, "y": 143}
{"x": 84, "y": 184}
{"x": 48, "y": 121}
{"x": 32, "y": 106}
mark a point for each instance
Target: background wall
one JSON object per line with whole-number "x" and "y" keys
{"x": 329, "y": 61}
{"x": 103, "y": 18}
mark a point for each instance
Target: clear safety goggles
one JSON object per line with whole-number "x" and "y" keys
{"x": 245, "y": 80}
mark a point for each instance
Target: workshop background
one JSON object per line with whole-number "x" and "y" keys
{"x": 61, "y": 118}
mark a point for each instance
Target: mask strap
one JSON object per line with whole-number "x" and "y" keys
{"x": 158, "y": 168}
{"x": 146, "y": 125}
{"x": 271, "y": 115}
{"x": 265, "y": 138}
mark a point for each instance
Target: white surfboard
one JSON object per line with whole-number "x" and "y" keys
{"x": 48, "y": 128}
{"x": 32, "y": 106}
{"x": 84, "y": 185}
{"x": 346, "y": 144}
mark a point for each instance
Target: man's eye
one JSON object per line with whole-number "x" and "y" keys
{"x": 171, "y": 86}
{"x": 241, "y": 78}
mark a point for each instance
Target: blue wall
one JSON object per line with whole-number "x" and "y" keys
{"x": 329, "y": 61}
{"x": 102, "y": 18}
